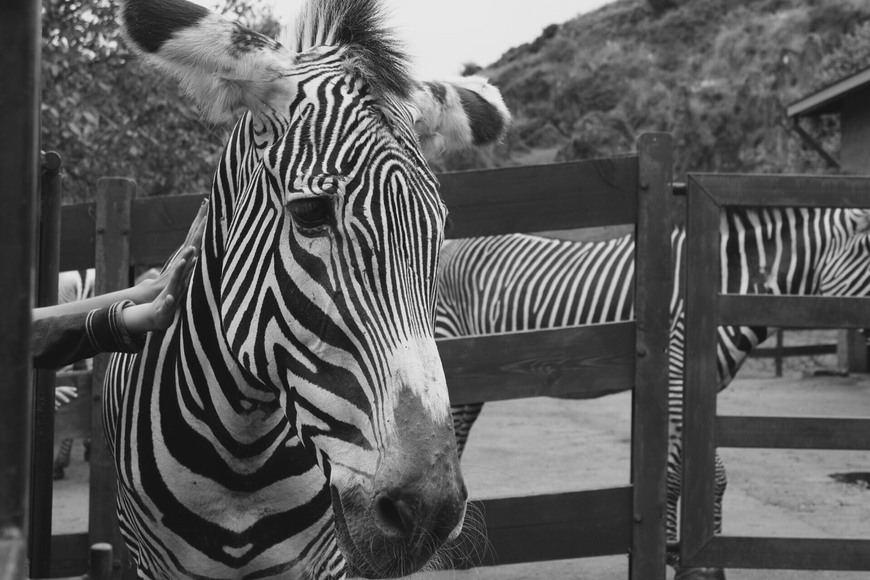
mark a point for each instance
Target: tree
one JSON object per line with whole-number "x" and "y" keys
{"x": 107, "y": 113}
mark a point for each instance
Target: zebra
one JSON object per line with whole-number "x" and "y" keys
{"x": 524, "y": 282}
{"x": 293, "y": 421}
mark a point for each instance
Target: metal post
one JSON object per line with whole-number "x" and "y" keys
{"x": 19, "y": 156}
{"x": 41, "y": 487}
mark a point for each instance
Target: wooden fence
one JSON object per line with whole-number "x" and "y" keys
{"x": 116, "y": 234}
{"x": 618, "y": 356}
{"x": 119, "y": 233}
{"x": 706, "y": 308}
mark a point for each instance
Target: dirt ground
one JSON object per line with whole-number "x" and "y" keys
{"x": 770, "y": 492}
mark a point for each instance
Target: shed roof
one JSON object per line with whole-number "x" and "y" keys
{"x": 830, "y": 99}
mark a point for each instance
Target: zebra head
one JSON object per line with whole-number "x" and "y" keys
{"x": 845, "y": 266}
{"x": 322, "y": 247}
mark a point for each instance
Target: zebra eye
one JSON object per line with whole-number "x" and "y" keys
{"x": 311, "y": 212}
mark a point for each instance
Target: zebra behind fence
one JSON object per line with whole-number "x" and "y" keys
{"x": 520, "y": 282}
{"x": 293, "y": 422}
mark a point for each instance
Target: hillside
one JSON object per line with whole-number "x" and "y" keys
{"x": 717, "y": 75}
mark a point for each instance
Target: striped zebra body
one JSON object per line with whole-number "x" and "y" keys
{"x": 293, "y": 421}
{"x": 521, "y": 282}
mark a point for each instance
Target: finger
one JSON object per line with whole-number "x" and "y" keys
{"x": 175, "y": 276}
{"x": 165, "y": 312}
{"x": 194, "y": 234}
{"x": 170, "y": 277}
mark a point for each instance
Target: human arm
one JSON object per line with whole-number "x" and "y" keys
{"x": 142, "y": 293}
{"x": 62, "y": 340}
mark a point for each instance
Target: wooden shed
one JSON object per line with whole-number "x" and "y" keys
{"x": 850, "y": 99}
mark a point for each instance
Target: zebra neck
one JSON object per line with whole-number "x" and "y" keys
{"x": 245, "y": 401}
{"x": 208, "y": 371}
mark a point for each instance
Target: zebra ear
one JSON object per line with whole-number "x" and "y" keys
{"x": 464, "y": 112}
{"x": 223, "y": 66}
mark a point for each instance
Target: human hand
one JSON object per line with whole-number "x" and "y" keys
{"x": 159, "y": 313}
{"x": 148, "y": 289}
{"x": 63, "y": 395}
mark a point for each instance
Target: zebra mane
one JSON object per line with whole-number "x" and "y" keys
{"x": 373, "y": 52}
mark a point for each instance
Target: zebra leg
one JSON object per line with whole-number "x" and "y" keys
{"x": 61, "y": 460}
{"x": 719, "y": 485}
{"x": 675, "y": 473}
{"x": 464, "y": 417}
{"x": 675, "y": 477}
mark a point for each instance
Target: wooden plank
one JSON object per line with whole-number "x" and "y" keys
{"x": 784, "y": 553}
{"x": 549, "y": 527}
{"x": 159, "y": 226}
{"x": 595, "y": 193}
{"x": 855, "y": 133}
{"x": 851, "y": 351}
{"x": 794, "y": 311}
{"x": 588, "y": 360}
{"x": 798, "y": 350}
{"x": 786, "y": 190}
{"x": 830, "y": 98}
{"x": 73, "y": 420}
{"x": 793, "y": 432}
{"x": 702, "y": 266}
{"x": 114, "y": 201}
{"x": 41, "y": 478}
{"x": 69, "y": 555}
{"x": 654, "y": 282}
{"x": 77, "y": 227}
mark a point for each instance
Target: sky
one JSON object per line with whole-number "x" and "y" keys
{"x": 442, "y": 35}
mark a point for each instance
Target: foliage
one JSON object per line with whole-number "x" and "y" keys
{"x": 852, "y": 56}
{"x": 106, "y": 113}
{"x": 717, "y": 75}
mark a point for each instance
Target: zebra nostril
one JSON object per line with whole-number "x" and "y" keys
{"x": 394, "y": 516}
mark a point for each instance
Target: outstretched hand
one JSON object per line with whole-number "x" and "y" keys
{"x": 148, "y": 290}
{"x": 159, "y": 313}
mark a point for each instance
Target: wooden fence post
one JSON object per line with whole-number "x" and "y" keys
{"x": 41, "y": 480}
{"x": 851, "y": 351}
{"x": 653, "y": 283}
{"x": 778, "y": 356}
{"x": 112, "y": 261}
{"x": 19, "y": 117}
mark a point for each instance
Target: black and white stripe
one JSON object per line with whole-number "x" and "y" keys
{"x": 293, "y": 422}
{"x": 521, "y": 282}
